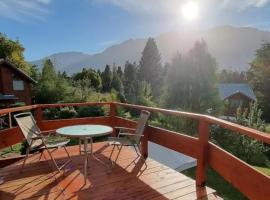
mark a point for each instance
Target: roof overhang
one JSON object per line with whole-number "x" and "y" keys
{"x": 19, "y": 71}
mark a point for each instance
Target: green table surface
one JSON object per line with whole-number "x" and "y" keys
{"x": 84, "y": 130}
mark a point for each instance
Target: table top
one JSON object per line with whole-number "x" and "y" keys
{"x": 84, "y": 130}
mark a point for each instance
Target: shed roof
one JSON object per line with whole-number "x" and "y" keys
{"x": 228, "y": 89}
{"x": 16, "y": 69}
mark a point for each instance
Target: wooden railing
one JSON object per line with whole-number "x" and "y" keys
{"x": 247, "y": 179}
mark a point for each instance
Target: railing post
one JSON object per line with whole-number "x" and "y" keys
{"x": 112, "y": 115}
{"x": 144, "y": 144}
{"x": 203, "y": 153}
{"x": 38, "y": 115}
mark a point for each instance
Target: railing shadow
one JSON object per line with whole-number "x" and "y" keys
{"x": 126, "y": 180}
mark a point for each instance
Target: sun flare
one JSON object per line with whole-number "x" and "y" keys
{"x": 190, "y": 10}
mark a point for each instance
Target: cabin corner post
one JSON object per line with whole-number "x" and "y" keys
{"x": 113, "y": 115}
{"x": 203, "y": 153}
{"x": 38, "y": 115}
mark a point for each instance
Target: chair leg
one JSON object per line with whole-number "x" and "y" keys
{"x": 54, "y": 162}
{"x": 136, "y": 150}
{"x": 41, "y": 153}
{"x": 112, "y": 152}
{"x": 26, "y": 156}
{"x": 67, "y": 153}
{"x": 118, "y": 153}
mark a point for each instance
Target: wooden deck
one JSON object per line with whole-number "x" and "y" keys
{"x": 129, "y": 179}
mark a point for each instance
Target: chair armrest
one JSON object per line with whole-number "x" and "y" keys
{"x": 124, "y": 128}
{"x": 36, "y": 137}
{"x": 48, "y": 133}
{"x": 130, "y": 134}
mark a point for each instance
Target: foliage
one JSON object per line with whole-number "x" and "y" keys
{"x": 89, "y": 77}
{"x": 67, "y": 113}
{"x": 228, "y": 76}
{"x": 51, "y": 86}
{"x": 150, "y": 69}
{"x": 224, "y": 189}
{"x": 191, "y": 81}
{"x": 90, "y": 111}
{"x": 259, "y": 77}
{"x": 117, "y": 80}
{"x": 106, "y": 79}
{"x": 249, "y": 150}
{"x": 13, "y": 50}
{"x": 51, "y": 113}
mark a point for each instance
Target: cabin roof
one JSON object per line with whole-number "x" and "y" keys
{"x": 228, "y": 89}
{"x": 16, "y": 69}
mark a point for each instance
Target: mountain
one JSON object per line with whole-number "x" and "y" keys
{"x": 233, "y": 48}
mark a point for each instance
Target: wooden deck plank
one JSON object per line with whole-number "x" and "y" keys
{"x": 130, "y": 178}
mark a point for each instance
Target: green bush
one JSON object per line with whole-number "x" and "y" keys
{"x": 67, "y": 113}
{"x": 93, "y": 111}
{"x": 247, "y": 149}
{"x": 51, "y": 113}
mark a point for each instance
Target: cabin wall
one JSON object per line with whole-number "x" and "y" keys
{"x": 6, "y": 85}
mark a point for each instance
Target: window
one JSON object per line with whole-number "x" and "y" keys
{"x": 18, "y": 84}
{"x": 235, "y": 103}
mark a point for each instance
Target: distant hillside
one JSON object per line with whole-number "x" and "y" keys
{"x": 233, "y": 48}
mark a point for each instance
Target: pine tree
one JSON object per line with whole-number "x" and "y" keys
{"x": 130, "y": 76}
{"x": 116, "y": 81}
{"x": 106, "y": 79}
{"x": 151, "y": 68}
{"x": 191, "y": 81}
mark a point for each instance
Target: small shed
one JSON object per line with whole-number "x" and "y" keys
{"x": 235, "y": 95}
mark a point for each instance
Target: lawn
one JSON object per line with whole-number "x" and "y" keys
{"x": 264, "y": 170}
{"x": 215, "y": 181}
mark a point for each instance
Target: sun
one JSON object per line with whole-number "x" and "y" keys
{"x": 190, "y": 10}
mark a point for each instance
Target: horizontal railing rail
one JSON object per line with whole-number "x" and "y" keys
{"x": 248, "y": 180}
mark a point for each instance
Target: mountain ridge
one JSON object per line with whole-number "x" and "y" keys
{"x": 233, "y": 48}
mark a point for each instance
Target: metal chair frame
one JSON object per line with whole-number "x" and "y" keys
{"x": 36, "y": 135}
{"x": 132, "y": 139}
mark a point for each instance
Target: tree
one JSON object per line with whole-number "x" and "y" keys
{"x": 116, "y": 81}
{"x": 106, "y": 79}
{"x": 51, "y": 87}
{"x": 150, "y": 69}
{"x": 259, "y": 77}
{"x": 13, "y": 50}
{"x": 228, "y": 76}
{"x": 191, "y": 81}
{"x": 90, "y": 76}
{"x": 130, "y": 76}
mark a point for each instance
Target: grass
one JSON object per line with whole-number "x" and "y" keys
{"x": 15, "y": 150}
{"x": 264, "y": 170}
{"x": 215, "y": 181}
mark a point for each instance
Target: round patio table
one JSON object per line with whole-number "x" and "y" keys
{"x": 85, "y": 133}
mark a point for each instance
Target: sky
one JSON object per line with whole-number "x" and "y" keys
{"x": 45, "y": 27}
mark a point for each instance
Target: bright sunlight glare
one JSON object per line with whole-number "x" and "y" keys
{"x": 190, "y": 10}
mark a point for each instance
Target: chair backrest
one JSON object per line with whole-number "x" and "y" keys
{"x": 28, "y": 126}
{"x": 142, "y": 123}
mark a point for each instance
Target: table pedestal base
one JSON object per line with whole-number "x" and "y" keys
{"x": 86, "y": 151}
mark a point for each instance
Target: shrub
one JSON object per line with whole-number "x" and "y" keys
{"x": 247, "y": 149}
{"x": 51, "y": 113}
{"x": 90, "y": 111}
{"x": 67, "y": 113}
